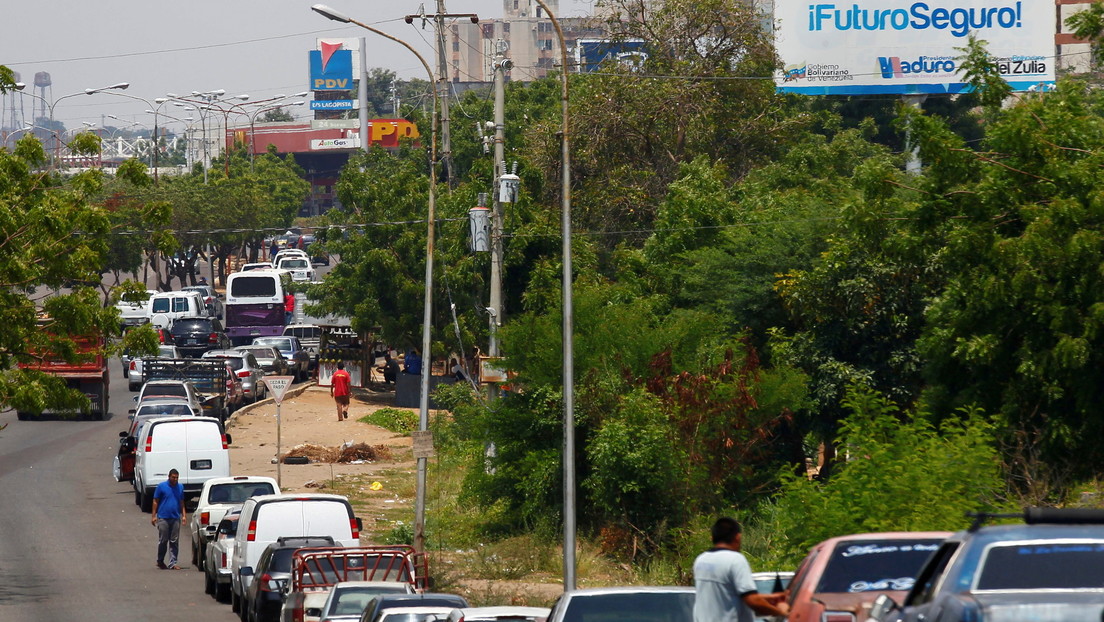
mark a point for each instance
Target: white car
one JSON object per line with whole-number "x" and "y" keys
{"x": 288, "y": 252}
{"x": 134, "y": 309}
{"x": 171, "y": 388}
{"x": 494, "y": 614}
{"x": 135, "y": 375}
{"x": 210, "y": 298}
{"x": 216, "y": 558}
{"x": 346, "y": 600}
{"x": 217, "y": 496}
{"x": 299, "y": 267}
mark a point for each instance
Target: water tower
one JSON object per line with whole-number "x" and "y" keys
{"x": 43, "y": 83}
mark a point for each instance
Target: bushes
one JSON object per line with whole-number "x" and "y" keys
{"x": 395, "y": 419}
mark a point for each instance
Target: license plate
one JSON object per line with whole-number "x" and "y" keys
{"x": 255, "y": 332}
{"x": 191, "y": 342}
{"x": 201, "y": 465}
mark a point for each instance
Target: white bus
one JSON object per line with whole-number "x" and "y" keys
{"x": 255, "y": 304}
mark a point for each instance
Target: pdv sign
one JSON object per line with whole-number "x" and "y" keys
{"x": 331, "y": 68}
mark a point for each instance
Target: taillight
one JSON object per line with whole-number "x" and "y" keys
{"x": 243, "y": 373}
{"x": 837, "y": 616}
{"x": 204, "y": 518}
{"x": 161, "y": 336}
{"x": 149, "y": 440}
{"x": 224, "y": 442}
{"x": 267, "y": 585}
{"x": 353, "y": 526}
{"x": 133, "y": 365}
{"x": 213, "y": 338}
{"x": 297, "y": 613}
{"x": 251, "y": 534}
{"x": 222, "y": 562}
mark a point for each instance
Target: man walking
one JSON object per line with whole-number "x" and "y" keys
{"x": 289, "y": 307}
{"x": 339, "y": 390}
{"x": 168, "y": 515}
{"x": 726, "y": 591}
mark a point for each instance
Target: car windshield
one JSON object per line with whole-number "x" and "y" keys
{"x": 865, "y": 565}
{"x": 414, "y": 617}
{"x": 166, "y": 352}
{"x": 238, "y": 492}
{"x": 279, "y": 343}
{"x": 175, "y": 390}
{"x": 260, "y": 286}
{"x": 235, "y": 362}
{"x": 1055, "y": 565}
{"x": 180, "y": 327}
{"x": 289, "y": 264}
{"x": 173, "y": 410}
{"x": 638, "y": 607}
{"x": 262, "y": 353}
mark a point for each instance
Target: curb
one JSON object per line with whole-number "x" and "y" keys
{"x": 292, "y": 392}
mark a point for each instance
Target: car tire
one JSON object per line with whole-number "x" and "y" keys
{"x": 222, "y": 592}
{"x": 137, "y": 498}
{"x": 134, "y": 387}
{"x": 209, "y": 584}
{"x": 235, "y": 602}
{"x": 147, "y": 502}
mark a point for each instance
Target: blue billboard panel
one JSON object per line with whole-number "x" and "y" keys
{"x": 332, "y": 104}
{"x": 606, "y": 55}
{"x": 858, "y": 47}
{"x": 332, "y": 73}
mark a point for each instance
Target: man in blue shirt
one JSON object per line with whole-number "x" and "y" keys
{"x": 412, "y": 363}
{"x": 168, "y": 515}
{"x": 725, "y": 589}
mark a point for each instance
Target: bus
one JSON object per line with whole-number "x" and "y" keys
{"x": 255, "y": 304}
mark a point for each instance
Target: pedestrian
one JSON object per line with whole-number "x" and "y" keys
{"x": 289, "y": 307}
{"x": 412, "y": 364}
{"x": 725, "y": 589}
{"x": 168, "y": 515}
{"x": 389, "y": 369}
{"x": 339, "y": 390}
{"x": 457, "y": 370}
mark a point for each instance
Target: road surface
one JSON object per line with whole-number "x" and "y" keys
{"x": 73, "y": 546}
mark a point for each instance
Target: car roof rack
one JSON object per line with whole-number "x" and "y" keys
{"x": 1042, "y": 516}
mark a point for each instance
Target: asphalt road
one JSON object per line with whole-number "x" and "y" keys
{"x": 73, "y": 546}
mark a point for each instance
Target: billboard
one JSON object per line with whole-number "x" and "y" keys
{"x": 609, "y": 55}
{"x": 862, "y": 47}
{"x": 333, "y": 65}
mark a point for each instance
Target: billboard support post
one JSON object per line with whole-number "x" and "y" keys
{"x": 913, "y": 165}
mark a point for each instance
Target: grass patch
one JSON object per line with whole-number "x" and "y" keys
{"x": 394, "y": 419}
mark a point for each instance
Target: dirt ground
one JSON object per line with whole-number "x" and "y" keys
{"x": 308, "y": 415}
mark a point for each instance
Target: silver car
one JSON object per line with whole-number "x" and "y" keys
{"x": 136, "y": 377}
{"x": 246, "y": 368}
{"x": 216, "y": 561}
{"x": 269, "y": 358}
{"x": 210, "y": 298}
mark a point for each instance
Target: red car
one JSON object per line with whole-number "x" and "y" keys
{"x": 840, "y": 578}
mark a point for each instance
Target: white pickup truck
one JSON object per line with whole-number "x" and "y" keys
{"x": 218, "y": 496}
{"x": 134, "y": 308}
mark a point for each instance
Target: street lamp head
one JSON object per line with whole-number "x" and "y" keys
{"x": 122, "y": 86}
{"x": 161, "y": 100}
{"x": 19, "y": 86}
{"x": 329, "y": 13}
{"x": 303, "y": 94}
{"x": 219, "y": 92}
{"x": 242, "y": 97}
{"x": 172, "y": 94}
{"x": 111, "y": 116}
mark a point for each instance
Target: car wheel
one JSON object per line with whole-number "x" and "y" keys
{"x": 222, "y": 592}
{"x": 209, "y": 584}
{"x": 235, "y": 602}
{"x": 134, "y": 387}
{"x": 147, "y": 502}
{"x": 137, "y": 498}
{"x": 201, "y": 557}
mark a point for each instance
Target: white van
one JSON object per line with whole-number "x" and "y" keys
{"x": 267, "y": 518}
{"x": 166, "y": 307}
{"x": 195, "y": 446}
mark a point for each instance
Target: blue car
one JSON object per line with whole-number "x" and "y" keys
{"x": 1050, "y": 567}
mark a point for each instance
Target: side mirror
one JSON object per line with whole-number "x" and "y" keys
{"x": 882, "y": 607}
{"x": 246, "y": 571}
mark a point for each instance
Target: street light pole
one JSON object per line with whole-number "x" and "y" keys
{"x": 568, "y": 322}
{"x": 427, "y": 358}
{"x": 156, "y": 109}
{"x": 51, "y": 105}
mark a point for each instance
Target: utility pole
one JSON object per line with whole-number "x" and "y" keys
{"x": 501, "y": 64}
{"x": 443, "y": 89}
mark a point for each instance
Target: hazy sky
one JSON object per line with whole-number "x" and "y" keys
{"x": 255, "y": 47}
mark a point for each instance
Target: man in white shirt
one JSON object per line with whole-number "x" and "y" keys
{"x": 725, "y": 589}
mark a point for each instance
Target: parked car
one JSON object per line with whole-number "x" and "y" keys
{"x": 215, "y": 499}
{"x": 414, "y": 614}
{"x": 379, "y": 569}
{"x": 166, "y": 308}
{"x": 211, "y": 298}
{"x": 841, "y": 577}
{"x": 171, "y": 388}
{"x": 235, "y": 394}
{"x": 166, "y": 407}
{"x": 268, "y": 518}
{"x": 216, "y": 558}
{"x": 195, "y": 446}
{"x": 134, "y": 308}
{"x": 771, "y": 582}
{"x": 163, "y": 337}
{"x": 263, "y": 599}
{"x": 297, "y": 357}
{"x": 287, "y": 252}
{"x": 499, "y": 614}
{"x": 378, "y": 605}
{"x": 196, "y": 335}
{"x": 310, "y": 337}
{"x": 1051, "y": 567}
{"x": 255, "y": 266}
{"x": 245, "y": 366}
{"x": 625, "y": 603}
{"x": 299, "y": 266}
{"x": 269, "y": 358}
{"x": 135, "y": 375}
{"x": 347, "y": 600}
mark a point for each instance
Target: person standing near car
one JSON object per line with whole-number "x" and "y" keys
{"x": 726, "y": 591}
{"x": 289, "y": 307}
{"x": 339, "y": 389}
{"x": 168, "y": 515}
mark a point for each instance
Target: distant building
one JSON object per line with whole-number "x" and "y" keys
{"x": 1073, "y": 55}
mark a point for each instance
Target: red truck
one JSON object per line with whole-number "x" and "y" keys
{"x": 89, "y": 376}
{"x": 314, "y": 571}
